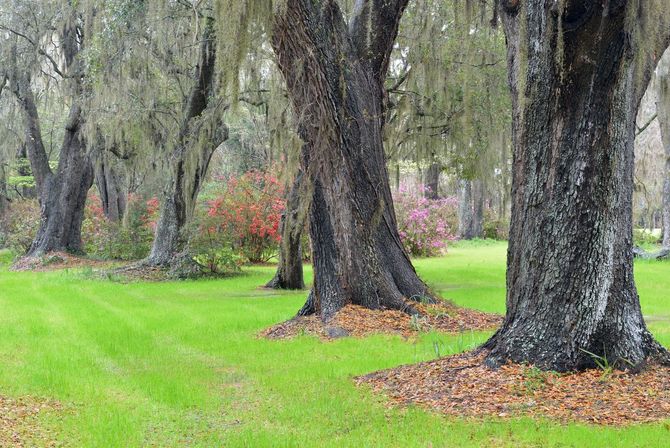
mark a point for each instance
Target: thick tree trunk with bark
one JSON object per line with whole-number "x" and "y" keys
{"x": 189, "y": 159}
{"x": 109, "y": 182}
{"x": 335, "y": 73}
{"x": 663, "y": 110}
{"x": 63, "y": 196}
{"x": 289, "y": 273}
{"x": 570, "y": 287}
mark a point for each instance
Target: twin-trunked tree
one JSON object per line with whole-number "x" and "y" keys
{"x": 577, "y": 71}
{"x": 62, "y": 193}
{"x": 335, "y": 74}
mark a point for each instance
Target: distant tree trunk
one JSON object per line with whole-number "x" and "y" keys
{"x": 335, "y": 76}
{"x": 110, "y": 188}
{"x": 289, "y": 273}
{"x": 570, "y": 287}
{"x": 431, "y": 180}
{"x": 478, "y": 193}
{"x": 663, "y": 110}
{"x": 189, "y": 160}
{"x": 4, "y": 198}
{"x": 466, "y": 230}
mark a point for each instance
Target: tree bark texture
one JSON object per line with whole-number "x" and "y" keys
{"x": 189, "y": 159}
{"x": 663, "y": 111}
{"x": 335, "y": 73}
{"x": 570, "y": 287}
{"x": 289, "y": 273}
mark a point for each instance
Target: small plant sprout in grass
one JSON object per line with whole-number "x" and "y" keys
{"x": 423, "y": 299}
{"x": 419, "y": 324}
{"x": 604, "y": 364}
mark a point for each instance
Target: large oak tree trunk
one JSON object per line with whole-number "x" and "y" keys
{"x": 663, "y": 110}
{"x": 63, "y": 196}
{"x": 289, "y": 273}
{"x": 334, "y": 73}
{"x": 189, "y": 159}
{"x": 570, "y": 287}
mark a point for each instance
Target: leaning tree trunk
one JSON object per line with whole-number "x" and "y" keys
{"x": 570, "y": 287}
{"x": 466, "y": 228}
{"x": 190, "y": 158}
{"x": 335, "y": 74}
{"x": 289, "y": 273}
{"x": 663, "y": 110}
{"x": 109, "y": 183}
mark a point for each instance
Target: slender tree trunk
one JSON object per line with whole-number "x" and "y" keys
{"x": 109, "y": 182}
{"x": 431, "y": 180}
{"x": 4, "y": 198}
{"x": 466, "y": 229}
{"x": 663, "y": 110}
{"x": 570, "y": 287}
{"x": 190, "y": 158}
{"x": 24, "y": 170}
{"x": 478, "y": 197}
{"x": 289, "y": 273}
{"x": 334, "y": 73}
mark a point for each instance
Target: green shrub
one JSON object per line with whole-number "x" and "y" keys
{"x": 20, "y": 225}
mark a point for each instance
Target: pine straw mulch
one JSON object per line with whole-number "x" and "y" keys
{"x": 19, "y": 426}
{"x": 58, "y": 260}
{"x": 354, "y": 320}
{"x": 461, "y": 385}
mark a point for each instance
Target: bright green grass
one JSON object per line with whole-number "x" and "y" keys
{"x": 179, "y": 364}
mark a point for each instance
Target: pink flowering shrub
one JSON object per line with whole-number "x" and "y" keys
{"x": 425, "y": 225}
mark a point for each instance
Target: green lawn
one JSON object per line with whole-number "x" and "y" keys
{"x": 179, "y": 364}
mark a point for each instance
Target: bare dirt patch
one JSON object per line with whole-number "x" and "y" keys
{"x": 354, "y": 320}
{"x": 462, "y": 385}
{"x": 19, "y": 426}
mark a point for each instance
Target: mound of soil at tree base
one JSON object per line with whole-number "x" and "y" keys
{"x": 354, "y": 320}
{"x": 19, "y": 426}
{"x": 461, "y": 385}
{"x": 56, "y": 261}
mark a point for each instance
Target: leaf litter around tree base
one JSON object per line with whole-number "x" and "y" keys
{"x": 461, "y": 385}
{"x": 354, "y": 320}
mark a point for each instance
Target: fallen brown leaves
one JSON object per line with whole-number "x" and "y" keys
{"x": 354, "y": 320}
{"x": 55, "y": 261}
{"x": 18, "y": 422}
{"x": 462, "y": 385}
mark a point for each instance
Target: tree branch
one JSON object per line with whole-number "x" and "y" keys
{"x": 373, "y": 29}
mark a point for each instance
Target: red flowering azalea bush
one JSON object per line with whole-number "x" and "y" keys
{"x": 425, "y": 225}
{"x": 245, "y": 212}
